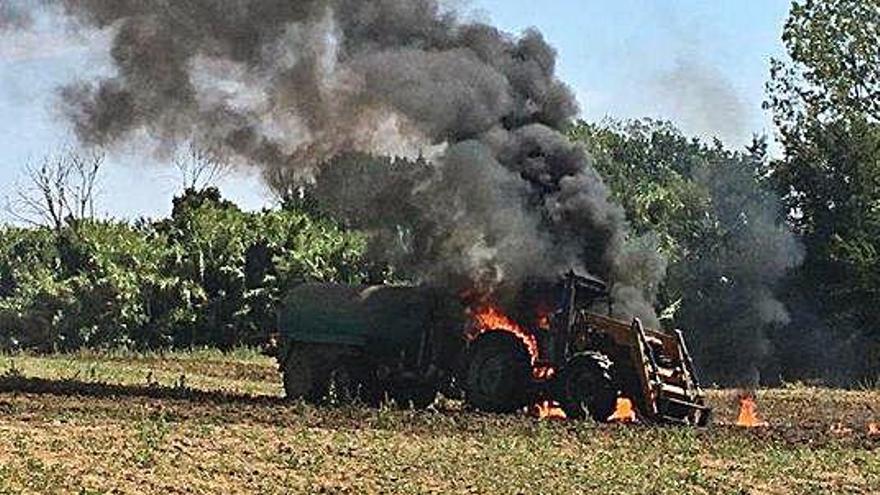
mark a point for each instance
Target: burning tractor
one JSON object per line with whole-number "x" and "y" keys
{"x": 341, "y": 343}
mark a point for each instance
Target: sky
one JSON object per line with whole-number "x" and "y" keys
{"x": 699, "y": 63}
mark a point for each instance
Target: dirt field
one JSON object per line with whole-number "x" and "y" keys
{"x": 209, "y": 423}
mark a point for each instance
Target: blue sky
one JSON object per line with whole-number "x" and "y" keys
{"x": 701, "y": 64}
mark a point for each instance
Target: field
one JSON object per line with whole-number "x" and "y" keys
{"x": 206, "y": 422}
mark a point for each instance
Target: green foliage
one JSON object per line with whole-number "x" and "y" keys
{"x": 720, "y": 228}
{"x": 78, "y": 287}
{"x": 210, "y": 274}
{"x": 826, "y": 103}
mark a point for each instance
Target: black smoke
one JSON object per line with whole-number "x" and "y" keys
{"x": 293, "y": 87}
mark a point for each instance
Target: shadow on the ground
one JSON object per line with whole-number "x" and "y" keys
{"x": 75, "y": 387}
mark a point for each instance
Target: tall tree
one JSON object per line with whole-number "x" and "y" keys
{"x": 826, "y": 103}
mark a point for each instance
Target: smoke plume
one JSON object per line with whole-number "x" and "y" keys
{"x": 295, "y": 87}
{"x": 704, "y": 101}
{"x": 14, "y": 15}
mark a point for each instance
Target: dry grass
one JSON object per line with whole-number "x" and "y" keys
{"x": 212, "y": 423}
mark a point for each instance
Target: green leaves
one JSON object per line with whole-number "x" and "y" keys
{"x": 711, "y": 213}
{"x": 826, "y": 103}
{"x": 209, "y": 275}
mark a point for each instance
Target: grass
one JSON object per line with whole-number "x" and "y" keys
{"x": 207, "y": 422}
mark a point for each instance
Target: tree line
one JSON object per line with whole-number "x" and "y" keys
{"x": 774, "y": 261}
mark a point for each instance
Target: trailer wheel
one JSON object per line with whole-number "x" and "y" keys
{"x": 302, "y": 378}
{"x": 351, "y": 380}
{"x": 497, "y": 373}
{"x": 587, "y": 387}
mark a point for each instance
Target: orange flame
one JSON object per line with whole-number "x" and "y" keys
{"x": 542, "y": 316}
{"x": 874, "y": 429}
{"x": 490, "y": 317}
{"x": 625, "y": 412}
{"x": 548, "y": 410}
{"x": 748, "y": 413}
{"x": 543, "y": 372}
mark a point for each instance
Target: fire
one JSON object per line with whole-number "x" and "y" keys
{"x": 548, "y": 410}
{"x": 544, "y": 321}
{"x": 874, "y": 429}
{"x": 625, "y": 412}
{"x": 489, "y": 317}
{"x": 748, "y": 413}
{"x": 542, "y": 318}
{"x": 543, "y": 372}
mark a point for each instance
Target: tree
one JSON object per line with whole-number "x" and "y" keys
{"x": 719, "y": 226}
{"x": 826, "y": 103}
{"x": 59, "y": 190}
{"x": 200, "y": 168}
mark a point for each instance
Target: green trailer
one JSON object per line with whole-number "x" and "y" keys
{"x": 344, "y": 343}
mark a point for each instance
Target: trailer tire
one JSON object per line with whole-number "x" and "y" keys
{"x": 351, "y": 380}
{"x": 586, "y": 387}
{"x": 302, "y": 378}
{"x": 497, "y": 373}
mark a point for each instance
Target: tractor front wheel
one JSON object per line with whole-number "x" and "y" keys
{"x": 587, "y": 387}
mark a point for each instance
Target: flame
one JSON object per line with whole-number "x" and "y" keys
{"x": 874, "y": 429}
{"x": 548, "y": 410}
{"x": 489, "y": 317}
{"x": 748, "y": 413}
{"x": 625, "y": 412}
{"x": 543, "y": 372}
{"x": 544, "y": 321}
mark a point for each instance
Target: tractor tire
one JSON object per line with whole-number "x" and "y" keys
{"x": 586, "y": 387}
{"x": 497, "y": 373}
{"x": 302, "y": 377}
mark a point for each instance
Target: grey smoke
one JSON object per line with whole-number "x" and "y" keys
{"x": 14, "y": 14}
{"x": 293, "y": 87}
{"x": 740, "y": 277}
{"x": 700, "y": 97}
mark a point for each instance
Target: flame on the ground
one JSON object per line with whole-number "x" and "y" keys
{"x": 624, "y": 412}
{"x": 748, "y": 413}
{"x": 548, "y": 410}
{"x": 874, "y": 429}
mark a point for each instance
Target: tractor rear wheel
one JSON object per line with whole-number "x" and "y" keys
{"x": 497, "y": 373}
{"x": 587, "y": 387}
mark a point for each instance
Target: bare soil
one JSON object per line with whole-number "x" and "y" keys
{"x": 213, "y": 423}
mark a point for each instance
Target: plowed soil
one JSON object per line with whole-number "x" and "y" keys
{"x": 212, "y": 423}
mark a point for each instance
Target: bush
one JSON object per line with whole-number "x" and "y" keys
{"x": 209, "y": 275}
